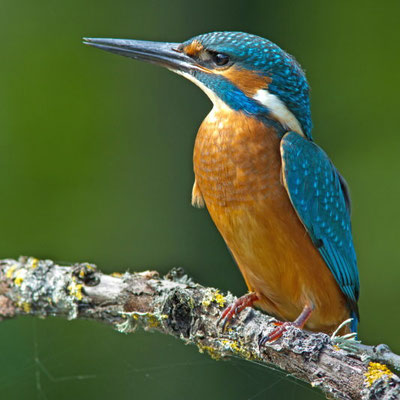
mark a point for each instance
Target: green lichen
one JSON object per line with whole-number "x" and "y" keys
{"x": 127, "y": 326}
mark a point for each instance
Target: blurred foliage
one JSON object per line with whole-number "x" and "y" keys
{"x": 96, "y": 165}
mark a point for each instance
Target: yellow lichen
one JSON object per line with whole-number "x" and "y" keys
{"x": 75, "y": 289}
{"x": 117, "y": 275}
{"x": 216, "y": 297}
{"x": 18, "y": 281}
{"x": 377, "y": 371}
{"x": 26, "y": 307}
{"x": 10, "y": 271}
{"x": 148, "y": 319}
{"x": 19, "y": 276}
{"x": 85, "y": 270}
{"x": 219, "y": 299}
{"x": 206, "y": 302}
{"x": 33, "y": 262}
{"x": 153, "y": 321}
{"x": 213, "y": 353}
{"x": 236, "y": 347}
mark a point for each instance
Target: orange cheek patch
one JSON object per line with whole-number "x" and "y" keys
{"x": 248, "y": 82}
{"x": 193, "y": 48}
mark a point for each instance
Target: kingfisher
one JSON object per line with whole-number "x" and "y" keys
{"x": 274, "y": 195}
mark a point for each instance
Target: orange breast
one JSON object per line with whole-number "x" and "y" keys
{"x": 237, "y": 167}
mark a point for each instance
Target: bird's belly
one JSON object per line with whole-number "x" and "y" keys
{"x": 279, "y": 261}
{"x": 239, "y": 179}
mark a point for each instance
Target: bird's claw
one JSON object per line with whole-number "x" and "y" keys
{"x": 227, "y": 315}
{"x": 282, "y": 326}
{"x": 276, "y": 333}
{"x": 235, "y": 308}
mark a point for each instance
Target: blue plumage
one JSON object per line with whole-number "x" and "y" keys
{"x": 320, "y": 199}
{"x": 252, "y": 52}
{"x": 230, "y": 94}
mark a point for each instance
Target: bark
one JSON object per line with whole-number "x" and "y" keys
{"x": 175, "y": 305}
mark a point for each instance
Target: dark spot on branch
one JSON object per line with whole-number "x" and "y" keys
{"x": 179, "y": 314}
{"x": 87, "y": 274}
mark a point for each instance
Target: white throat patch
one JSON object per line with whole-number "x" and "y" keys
{"x": 278, "y": 110}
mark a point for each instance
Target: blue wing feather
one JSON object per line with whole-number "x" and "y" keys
{"x": 321, "y": 199}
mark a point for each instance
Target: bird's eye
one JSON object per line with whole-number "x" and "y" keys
{"x": 220, "y": 59}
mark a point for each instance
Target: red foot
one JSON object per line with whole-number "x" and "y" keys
{"x": 235, "y": 308}
{"x": 282, "y": 326}
{"x": 276, "y": 333}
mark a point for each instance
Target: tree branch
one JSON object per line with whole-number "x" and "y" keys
{"x": 176, "y": 306}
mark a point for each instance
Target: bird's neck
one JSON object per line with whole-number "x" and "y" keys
{"x": 230, "y": 100}
{"x": 222, "y": 115}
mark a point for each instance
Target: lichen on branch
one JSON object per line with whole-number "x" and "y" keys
{"x": 177, "y": 306}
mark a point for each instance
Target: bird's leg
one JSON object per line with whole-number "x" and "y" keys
{"x": 299, "y": 322}
{"x": 236, "y": 307}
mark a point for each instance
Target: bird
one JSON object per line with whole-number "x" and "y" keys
{"x": 276, "y": 198}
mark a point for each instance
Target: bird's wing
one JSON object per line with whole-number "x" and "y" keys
{"x": 321, "y": 199}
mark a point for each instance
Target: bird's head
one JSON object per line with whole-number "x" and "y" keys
{"x": 244, "y": 72}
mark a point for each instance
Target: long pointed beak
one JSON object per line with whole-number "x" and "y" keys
{"x": 167, "y": 55}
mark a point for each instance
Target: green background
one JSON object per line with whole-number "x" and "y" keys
{"x": 96, "y": 165}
